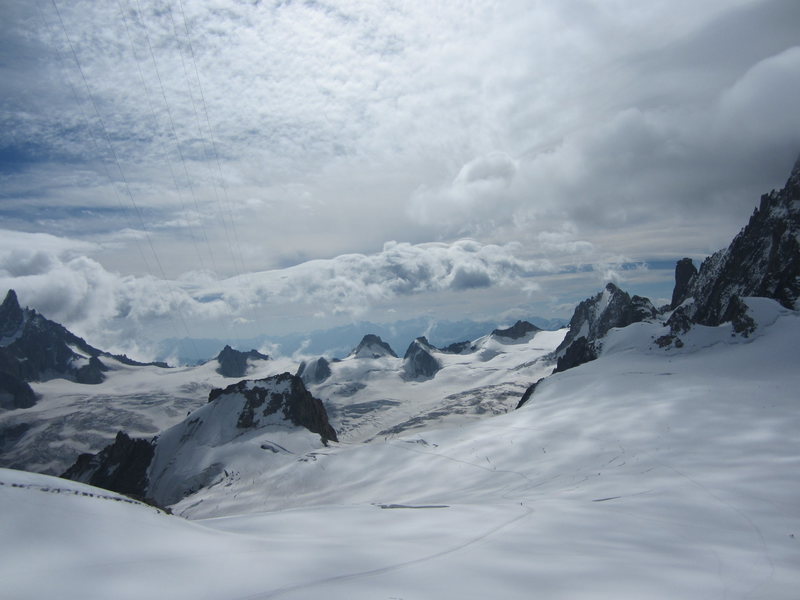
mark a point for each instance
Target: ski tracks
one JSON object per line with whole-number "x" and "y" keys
{"x": 388, "y": 568}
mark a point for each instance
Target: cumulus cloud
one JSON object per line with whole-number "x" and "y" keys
{"x": 762, "y": 102}
{"x": 475, "y": 195}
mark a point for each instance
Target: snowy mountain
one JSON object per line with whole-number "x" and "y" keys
{"x": 245, "y": 420}
{"x": 33, "y": 348}
{"x": 647, "y": 473}
{"x": 372, "y": 346}
{"x": 658, "y": 461}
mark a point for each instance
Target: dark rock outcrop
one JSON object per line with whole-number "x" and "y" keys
{"x": 315, "y": 371}
{"x": 233, "y": 363}
{"x": 762, "y": 260}
{"x": 418, "y": 361}
{"x": 517, "y": 331}
{"x": 120, "y": 467}
{"x": 372, "y": 346}
{"x": 594, "y": 318}
{"x": 15, "y": 392}
{"x": 684, "y": 272}
{"x": 528, "y": 393}
{"x": 458, "y": 348}
{"x": 577, "y": 353}
{"x": 11, "y": 315}
{"x": 285, "y": 394}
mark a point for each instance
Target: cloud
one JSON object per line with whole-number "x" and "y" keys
{"x": 761, "y": 104}
{"x": 259, "y": 136}
{"x": 113, "y": 310}
{"x": 474, "y": 196}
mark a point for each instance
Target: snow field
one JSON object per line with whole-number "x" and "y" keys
{"x": 648, "y": 473}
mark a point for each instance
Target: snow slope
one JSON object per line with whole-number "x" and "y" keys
{"x": 647, "y": 473}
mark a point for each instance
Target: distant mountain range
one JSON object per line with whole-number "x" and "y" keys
{"x": 338, "y": 341}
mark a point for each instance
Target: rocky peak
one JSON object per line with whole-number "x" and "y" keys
{"x": 762, "y": 260}
{"x": 684, "y": 271}
{"x": 517, "y": 331}
{"x": 458, "y": 348}
{"x": 282, "y": 395}
{"x": 594, "y": 318}
{"x": 315, "y": 371}
{"x": 233, "y": 363}
{"x": 418, "y": 361}
{"x": 372, "y": 346}
{"x": 11, "y": 315}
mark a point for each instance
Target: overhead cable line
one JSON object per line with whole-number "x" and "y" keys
{"x": 116, "y": 158}
{"x": 211, "y": 133}
{"x": 210, "y": 129}
{"x": 154, "y": 115}
{"x": 123, "y": 209}
{"x": 174, "y": 131}
{"x": 200, "y": 133}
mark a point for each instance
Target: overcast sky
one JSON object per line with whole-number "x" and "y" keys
{"x": 227, "y": 168}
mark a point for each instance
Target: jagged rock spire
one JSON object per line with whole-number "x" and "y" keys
{"x": 11, "y": 314}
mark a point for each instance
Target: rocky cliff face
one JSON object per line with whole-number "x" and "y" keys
{"x": 120, "y": 467}
{"x": 419, "y": 361}
{"x": 762, "y": 260}
{"x": 315, "y": 371}
{"x": 594, "y": 318}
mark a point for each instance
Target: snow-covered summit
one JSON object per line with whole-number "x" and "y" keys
{"x": 372, "y": 346}
{"x": 243, "y": 421}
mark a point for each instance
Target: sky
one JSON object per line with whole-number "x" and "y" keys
{"x": 227, "y": 168}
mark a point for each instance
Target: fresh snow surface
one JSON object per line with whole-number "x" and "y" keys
{"x": 648, "y": 473}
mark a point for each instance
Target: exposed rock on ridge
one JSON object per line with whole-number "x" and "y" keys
{"x": 33, "y": 348}
{"x": 517, "y": 331}
{"x": 315, "y": 371}
{"x": 233, "y": 363}
{"x": 594, "y": 318}
{"x": 285, "y": 393}
{"x": 419, "y": 361}
{"x": 762, "y": 260}
{"x": 120, "y": 467}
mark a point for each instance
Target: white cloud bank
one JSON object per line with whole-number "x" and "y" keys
{"x": 111, "y": 310}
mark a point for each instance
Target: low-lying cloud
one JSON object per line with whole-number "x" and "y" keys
{"x": 109, "y": 309}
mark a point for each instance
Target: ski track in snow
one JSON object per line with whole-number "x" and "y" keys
{"x": 388, "y": 568}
